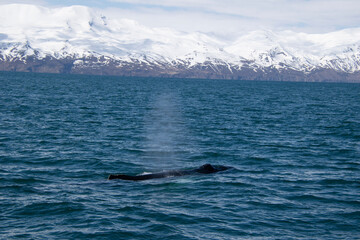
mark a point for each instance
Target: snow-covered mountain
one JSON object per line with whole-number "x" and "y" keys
{"x": 78, "y": 39}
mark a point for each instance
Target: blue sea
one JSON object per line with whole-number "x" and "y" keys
{"x": 295, "y": 149}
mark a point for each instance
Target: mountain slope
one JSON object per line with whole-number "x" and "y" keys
{"x": 78, "y": 39}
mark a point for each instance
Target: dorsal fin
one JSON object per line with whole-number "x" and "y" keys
{"x": 206, "y": 168}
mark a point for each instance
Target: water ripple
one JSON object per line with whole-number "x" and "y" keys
{"x": 294, "y": 148}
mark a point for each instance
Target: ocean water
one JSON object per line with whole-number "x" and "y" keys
{"x": 295, "y": 149}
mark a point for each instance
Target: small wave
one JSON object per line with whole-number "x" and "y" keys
{"x": 351, "y": 215}
{"x": 43, "y": 209}
{"x": 309, "y": 197}
{"x": 338, "y": 181}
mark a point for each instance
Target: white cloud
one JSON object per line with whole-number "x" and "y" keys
{"x": 35, "y": 2}
{"x": 228, "y": 17}
{"x": 238, "y": 15}
{"x": 183, "y": 20}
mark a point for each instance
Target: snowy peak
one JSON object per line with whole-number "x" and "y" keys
{"x": 79, "y": 32}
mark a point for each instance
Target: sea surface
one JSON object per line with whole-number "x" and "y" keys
{"x": 295, "y": 149}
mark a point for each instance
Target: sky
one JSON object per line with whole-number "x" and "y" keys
{"x": 226, "y": 16}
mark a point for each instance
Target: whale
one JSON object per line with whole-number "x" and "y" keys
{"x": 204, "y": 169}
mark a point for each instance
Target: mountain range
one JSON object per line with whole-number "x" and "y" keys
{"x": 81, "y": 40}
